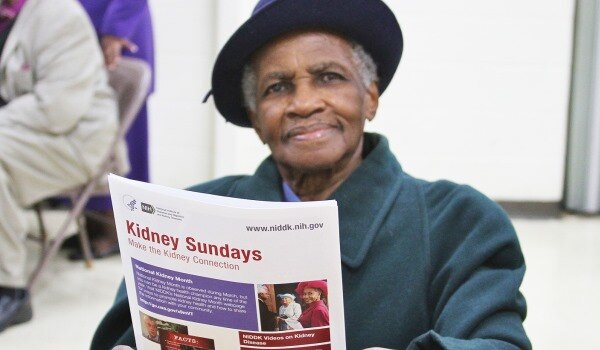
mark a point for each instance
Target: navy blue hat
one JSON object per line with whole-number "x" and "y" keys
{"x": 369, "y": 22}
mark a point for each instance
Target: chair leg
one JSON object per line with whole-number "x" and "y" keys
{"x": 53, "y": 247}
{"x": 43, "y": 233}
{"x": 84, "y": 241}
{"x": 79, "y": 203}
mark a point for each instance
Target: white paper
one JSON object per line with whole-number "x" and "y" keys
{"x": 193, "y": 264}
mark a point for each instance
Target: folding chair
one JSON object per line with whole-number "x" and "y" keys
{"x": 131, "y": 81}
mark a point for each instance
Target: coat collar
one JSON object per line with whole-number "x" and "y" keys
{"x": 364, "y": 199}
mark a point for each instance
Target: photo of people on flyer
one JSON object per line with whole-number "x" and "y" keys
{"x": 292, "y": 306}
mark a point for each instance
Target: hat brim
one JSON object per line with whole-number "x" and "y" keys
{"x": 368, "y": 22}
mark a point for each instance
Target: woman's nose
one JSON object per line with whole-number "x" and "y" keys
{"x": 305, "y": 101}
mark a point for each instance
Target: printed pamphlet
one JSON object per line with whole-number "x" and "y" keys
{"x": 212, "y": 272}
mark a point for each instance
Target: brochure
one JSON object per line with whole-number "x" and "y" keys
{"x": 212, "y": 272}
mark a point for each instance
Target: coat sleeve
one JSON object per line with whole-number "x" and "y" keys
{"x": 122, "y": 17}
{"x": 320, "y": 317}
{"x": 66, "y": 63}
{"x": 297, "y": 311}
{"x": 476, "y": 269}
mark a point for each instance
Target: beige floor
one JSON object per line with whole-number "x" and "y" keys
{"x": 562, "y": 287}
{"x": 562, "y": 283}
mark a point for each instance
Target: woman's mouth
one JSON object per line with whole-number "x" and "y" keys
{"x": 309, "y": 132}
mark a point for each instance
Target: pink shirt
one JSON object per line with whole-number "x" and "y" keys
{"x": 8, "y": 13}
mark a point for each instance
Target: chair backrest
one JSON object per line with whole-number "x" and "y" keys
{"x": 131, "y": 81}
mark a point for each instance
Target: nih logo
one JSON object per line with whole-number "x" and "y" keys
{"x": 129, "y": 202}
{"x": 147, "y": 208}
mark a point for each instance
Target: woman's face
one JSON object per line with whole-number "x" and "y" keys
{"x": 311, "y": 103}
{"x": 286, "y": 301}
{"x": 311, "y": 294}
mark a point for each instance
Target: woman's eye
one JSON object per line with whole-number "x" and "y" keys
{"x": 275, "y": 88}
{"x": 331, "y": 76}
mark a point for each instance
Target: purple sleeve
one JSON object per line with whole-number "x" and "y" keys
{"x": 122, "y": 17}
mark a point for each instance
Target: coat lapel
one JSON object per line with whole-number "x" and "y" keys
{"x": 366, "y": 198}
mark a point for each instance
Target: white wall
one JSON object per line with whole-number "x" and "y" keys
{"x": 480, "y": 97}
{"x": 181, "y": 144}
{"x": 237, "y": 150}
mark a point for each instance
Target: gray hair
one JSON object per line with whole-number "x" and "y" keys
{"x": 363, "y": 61}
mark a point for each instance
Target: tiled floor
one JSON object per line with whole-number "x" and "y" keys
{"x": 562, "y": 287}
{"x": 68, "y": 303}
{"x": 562, "y": 283}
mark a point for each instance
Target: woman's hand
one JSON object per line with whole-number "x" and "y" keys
{"x": 112, "y": 48}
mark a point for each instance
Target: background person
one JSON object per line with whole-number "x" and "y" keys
{"x": 307, "y": 76}
{"x": 58, "y": 117}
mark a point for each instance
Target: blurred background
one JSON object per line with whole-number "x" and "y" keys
{"x": 498, "y": 94}
{"x": 481, "y": 95}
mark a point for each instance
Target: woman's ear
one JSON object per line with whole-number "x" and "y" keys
{"x": 371, "y": 101}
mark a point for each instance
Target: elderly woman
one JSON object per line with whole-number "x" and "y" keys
{"x": 307, "y": 76}
{"x": 289, "y": 312}
{"x": 315, "y": 313}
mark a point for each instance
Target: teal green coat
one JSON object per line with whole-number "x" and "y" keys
{"x": 425, "y": 265}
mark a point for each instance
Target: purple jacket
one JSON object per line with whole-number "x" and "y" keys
{"x": 128, "y": 19}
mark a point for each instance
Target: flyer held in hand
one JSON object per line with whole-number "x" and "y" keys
{"x": 211, "y": 272}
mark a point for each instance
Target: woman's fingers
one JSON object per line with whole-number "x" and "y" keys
{"x": 112, "y": 48}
